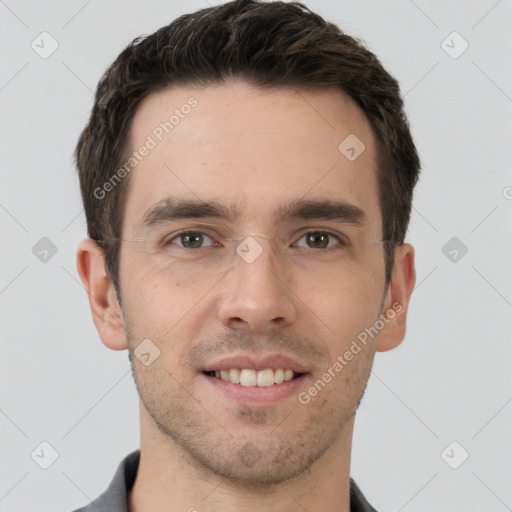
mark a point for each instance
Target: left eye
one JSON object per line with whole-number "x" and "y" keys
{"x": 320, "y": 240}
{"x": 191, "y": 240}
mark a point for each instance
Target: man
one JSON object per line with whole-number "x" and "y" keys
{"x": 247, "y": 174}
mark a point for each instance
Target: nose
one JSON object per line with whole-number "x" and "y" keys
{"x": 256, "y": 294}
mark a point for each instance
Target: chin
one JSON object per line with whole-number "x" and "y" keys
{"x": 262, "y": 464}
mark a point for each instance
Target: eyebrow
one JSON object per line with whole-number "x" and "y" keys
{"x": 173, "y": 208}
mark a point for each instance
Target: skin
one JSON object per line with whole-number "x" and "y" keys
{"x": 255, "y": 149}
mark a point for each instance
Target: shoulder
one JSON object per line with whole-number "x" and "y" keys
{"x": 113, "y": 499}
{"x": 358, "y": 503}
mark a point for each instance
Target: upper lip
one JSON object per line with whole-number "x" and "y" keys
{"x": 254, "y": 362}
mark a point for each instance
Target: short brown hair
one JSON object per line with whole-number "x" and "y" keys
{"x": 270, "y": 45}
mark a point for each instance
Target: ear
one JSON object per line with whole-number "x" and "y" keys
{"x": 397, "y": 297}
{"x": 106, "y": 311}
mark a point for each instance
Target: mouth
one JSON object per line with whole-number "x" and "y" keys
{"x": 250, "y": 380}
{"x": 249, "y": 377}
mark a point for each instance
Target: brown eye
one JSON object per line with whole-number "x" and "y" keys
{"x": 320, "y": 240}
{"x": 317, "y": 240}
{"x": 191, "y": 240}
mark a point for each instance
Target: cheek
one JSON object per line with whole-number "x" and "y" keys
{"x": 158, "y": 302}
{"x": 345, "y": 303}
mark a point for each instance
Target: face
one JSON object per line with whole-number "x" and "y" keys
{"x": 261, "y": 253}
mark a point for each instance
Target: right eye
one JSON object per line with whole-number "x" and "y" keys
{"x": 189, "y": 240}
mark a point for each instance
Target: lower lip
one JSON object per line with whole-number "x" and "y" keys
{"x": 254, "y": 396}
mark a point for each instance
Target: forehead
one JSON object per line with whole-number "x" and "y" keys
{"x": 233, "y": 144}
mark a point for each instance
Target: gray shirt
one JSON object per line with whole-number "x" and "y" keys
{"x": 114, "y": 499}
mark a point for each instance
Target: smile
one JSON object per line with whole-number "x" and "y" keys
{"x": 254, "y": 378}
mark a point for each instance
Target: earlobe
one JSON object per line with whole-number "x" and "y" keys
{"x": 396, "y": 303}
{"x": 105, "y": 309}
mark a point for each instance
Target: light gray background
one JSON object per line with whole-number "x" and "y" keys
{"x": 449, "y": 380}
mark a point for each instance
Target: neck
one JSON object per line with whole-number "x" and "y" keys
{"x": 168, "y": 479}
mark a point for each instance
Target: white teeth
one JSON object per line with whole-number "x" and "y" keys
{"x": 265, "y": 378}
{"x": 234, "y": 376}
{"x": 249, "y": 377}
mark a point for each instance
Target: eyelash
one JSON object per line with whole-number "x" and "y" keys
{"x": 341, "y": 242}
